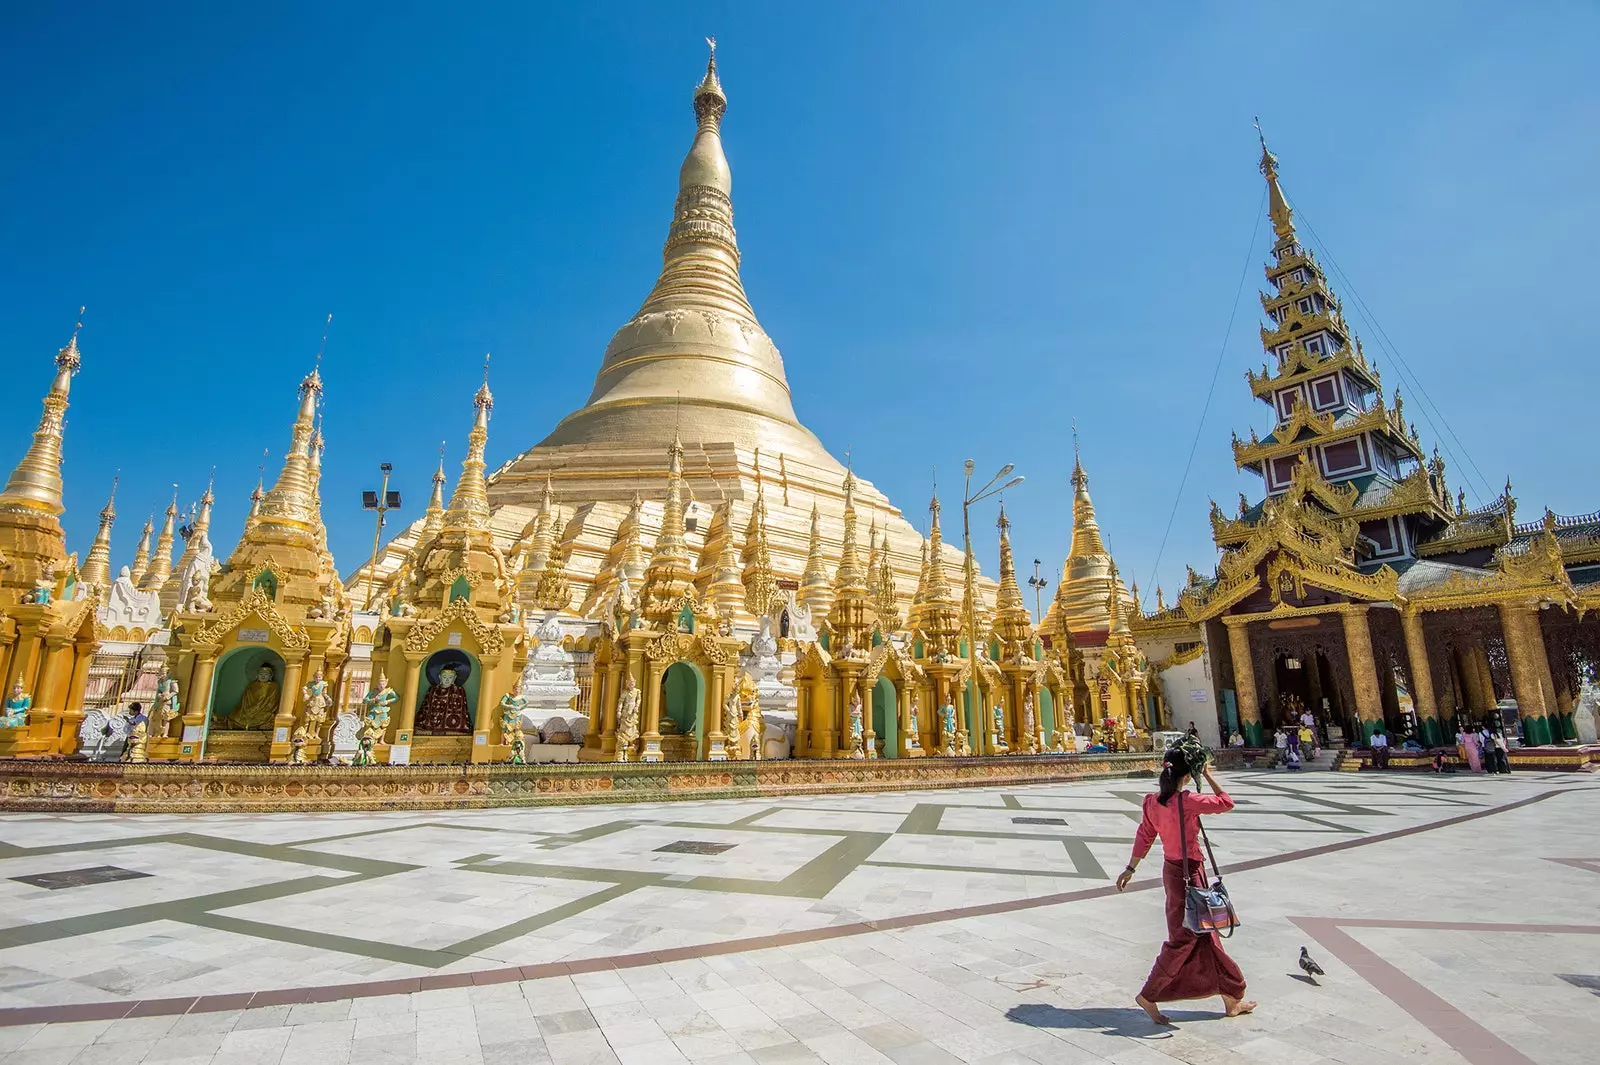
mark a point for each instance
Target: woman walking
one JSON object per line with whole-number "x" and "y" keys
{"x": 1189, "y": 965}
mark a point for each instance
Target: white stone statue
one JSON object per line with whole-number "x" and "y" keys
{"x": 195, "y": 600}
{"x": 857, "y": 728}
{"x": 1028, "y": 739}
{"x": 627, "y": 720}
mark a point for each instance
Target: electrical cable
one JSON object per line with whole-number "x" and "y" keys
{"x": 1227, "y": 334}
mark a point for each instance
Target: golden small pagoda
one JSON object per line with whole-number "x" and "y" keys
{"x": 47, "y": 633}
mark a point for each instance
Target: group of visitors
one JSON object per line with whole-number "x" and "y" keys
{"x": 1483, "y": 749}
{"x": 1297, "y": 740}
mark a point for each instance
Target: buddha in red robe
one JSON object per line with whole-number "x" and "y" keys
{"x": 444, "y": 708}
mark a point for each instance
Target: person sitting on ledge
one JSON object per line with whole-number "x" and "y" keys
{"x": 1380, "y": 749}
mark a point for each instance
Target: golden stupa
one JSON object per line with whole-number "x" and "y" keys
{"x": 694, "y": 364}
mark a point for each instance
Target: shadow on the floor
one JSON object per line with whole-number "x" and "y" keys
{"x": 1129, "y": 1021}
{"x": 1304, "y": 979}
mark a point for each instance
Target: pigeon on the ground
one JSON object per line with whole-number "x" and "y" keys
{"x": 1309, "y": 965}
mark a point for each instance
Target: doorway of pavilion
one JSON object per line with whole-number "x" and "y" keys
{"x": 885, "y": 717}
{"x": 1301, "y": 665}
{"x": 244, "y": 702}
{"x": 683, "y": 700}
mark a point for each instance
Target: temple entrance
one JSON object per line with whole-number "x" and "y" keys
{"x": 449, "y": 693}
{"x": 1301, "y": 664}
{"x": 244, "y": 704}
{"x": 683, "y": 700}
{"x": 885, "y": 717}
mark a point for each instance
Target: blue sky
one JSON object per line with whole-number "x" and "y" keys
{"x": 964, "y": 226}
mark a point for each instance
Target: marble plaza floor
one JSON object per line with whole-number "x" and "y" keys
{"x": 1458, "y": 919}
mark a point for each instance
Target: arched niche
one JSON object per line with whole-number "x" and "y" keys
{"x": 683, "y": 700}
{"x": 235, "y": 671}
{"x": 1047, "y": 713}
{"x": 433, "y": 667}
{"x": 886, "y": 715}
{"x": 266, "y": 582}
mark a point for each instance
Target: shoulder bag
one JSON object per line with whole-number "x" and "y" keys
{"x": 1205, "y": 909}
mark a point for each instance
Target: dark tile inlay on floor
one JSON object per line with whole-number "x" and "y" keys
{"x": 1038, "y": 820}
{"x": 99, "y": 874}
{"x": 1589, "y": 983}
{"x": 691, "y": 846}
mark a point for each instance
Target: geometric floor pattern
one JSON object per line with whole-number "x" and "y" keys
{"x": 1458, "y": 919}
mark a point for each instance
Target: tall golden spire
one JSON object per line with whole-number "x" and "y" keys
{"x": 290, "y": 503}
{"x": 883, "y": 594}
{"x": 553, "y": 591}
{"x": 257, "y": 496}
{"x": 816, "y": 591}
{"x": 940, "y": 621}
{"x": 141, "y": 556}
{"x": 726, "y": 587}
{"x": 433, "y": 518}
{"x": 469, "y": 504}
{"x": 35, "y": 484}
{"x": 760, "y": 583}
{"x": 670, "y": 574}
{"x": 160, "y": 571}
{"x": 1012, "y": 623}
{"x": 695, "y": 343}
{"x": 633, "y": 560}
{"x": 920, "y": 596}
{"x": 850, "y": 616}
{"x": 1277, "y": 206}
{"x": 96, "y": 568}
{"x": 1085, "y": 530}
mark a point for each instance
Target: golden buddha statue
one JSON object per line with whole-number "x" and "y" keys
{"x": 444, "y": 708}
{"x": 258, "y": 706}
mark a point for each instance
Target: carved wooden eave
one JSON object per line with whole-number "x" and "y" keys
{"x": 458, "y": 611}
{"x": 259, "y": 605}
{"x": 1179, "y": 658}
{"x": 814, "y": 660}
{"x": 1301, "y": 365}
{"x": 1378, "y": 419}
{"x": 1536, "y": 575}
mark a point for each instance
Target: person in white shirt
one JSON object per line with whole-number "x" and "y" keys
{"x": 1380, "y": 749}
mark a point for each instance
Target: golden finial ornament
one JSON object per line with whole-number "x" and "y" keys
{"x": 433, "y": 517}
{"x": 35, "y": 483}
{"x": 141, "y": 554}
{"x": 96, "y": 569}
{"x": 670, "y": 573}
{"x": 469, "y": 504}
{"x": 1011, "y": 612}
{"x": 160, "y": 569}
{"x": 1277, "y": 205}
{"x": 816, "y": 590}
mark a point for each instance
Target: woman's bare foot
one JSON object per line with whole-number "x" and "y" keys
{"x": 1155, "y": 1011}
{"x": 1237, "y": 1007}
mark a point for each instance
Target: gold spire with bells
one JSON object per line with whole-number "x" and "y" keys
{"x": 760, "y": 583}
{"x": 941, "y": 618}
{"x": 258, "y": 495}
{"x": 35, "y": 483}
{"x": 552, "y": 591}
{"x": 850, "y": 617}
{"x": 1085, "y": 529}
{"x": 1277, "y": 206}
{"x": 1080, "y": 600}
{"x": 433, "y": 518}
{"x": 141, "y": 555}
{"x": 1012, "y": 624}
{"x": 96, "y": 570}
{"x": 279, "y": 551}
{"x": 159, "y": 574}
{"x": 670, "y": 574}
{"x": 725, "y": 588}
{"x": 462, "y": 557}
{"x": 816, "y": 590}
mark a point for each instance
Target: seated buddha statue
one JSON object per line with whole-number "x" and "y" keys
{"x": 444, "y": 708}
{"x": 258, "y": 706}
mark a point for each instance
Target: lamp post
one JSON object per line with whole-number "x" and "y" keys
{"x": 969, "y": 497}
{"x": 381, "y": 501}
{"x": 1039, "y": 584}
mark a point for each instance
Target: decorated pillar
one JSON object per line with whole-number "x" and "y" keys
{"x": 716, "y": 740}
{"x": 1244, "y": 682}
{"x": 1525, "y": 648}
{"x": 651, "y": 738}
{"x": 283, "y": 724}
{"x": 483, "y": 714}
{"x": 1431, "y": 733}
{"x": 198, "y": 700}
{"x": 1363, "y": 669}
{"x": 406, "y": 719}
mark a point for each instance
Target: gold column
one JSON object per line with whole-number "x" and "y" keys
{"x": 1244, "y": 682}
{"x": 1428, "y": 724}
{"x": 483, "y": 713}
{"x": 714, "y": 735}
{"x": 869, "y": 735}
{"x": 651, "y": 751}
{"x": 1363, "y": 670}
{"x": 198, "y": 704}
{"x": 1480, "y": 662}
{"x": 405, "y": 719}
{"x": 280, "y": 750}
{"x": 1525, "y": 648}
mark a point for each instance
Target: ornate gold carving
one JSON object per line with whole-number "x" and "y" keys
{"x": 459, "y": 610}
{"x": 256, "y": 603}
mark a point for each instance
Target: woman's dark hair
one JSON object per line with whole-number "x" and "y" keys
{"x": 1175, "y": 769}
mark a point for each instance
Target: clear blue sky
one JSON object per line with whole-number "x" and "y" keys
{"x": 964, "y": 226}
